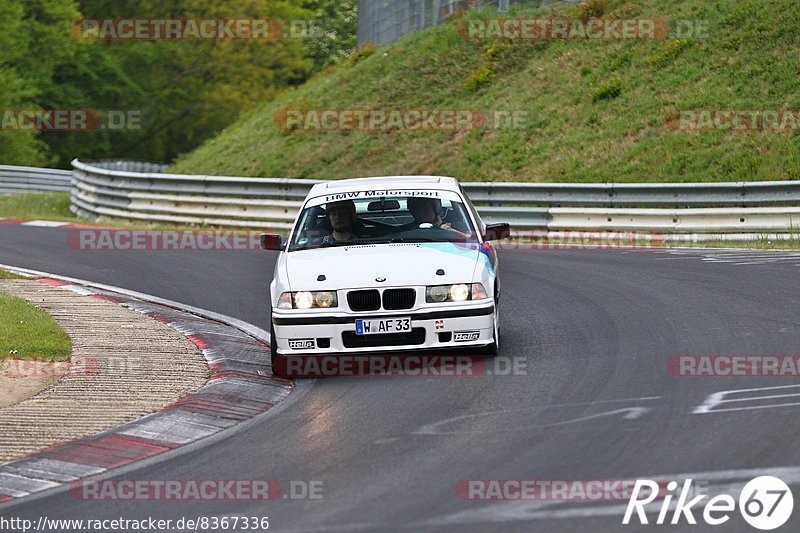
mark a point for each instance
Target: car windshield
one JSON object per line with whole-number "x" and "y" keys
{"x": 431, "y": 216}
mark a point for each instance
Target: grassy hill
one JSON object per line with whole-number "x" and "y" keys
{"x": 597, "y": 110}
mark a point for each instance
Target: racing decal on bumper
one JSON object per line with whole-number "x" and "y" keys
{"x": 302, "y": 344}
{"x": 463, "y": 336}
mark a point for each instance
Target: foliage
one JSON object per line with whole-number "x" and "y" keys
{"x": 334, "y": 31}
{"x": 670, "y": 50}
{"x": 479, "y": 77}
{"x": 608, "y": 90}
{"x": 590, "y": 9}
{"x": 748, "y": 61}
{"x": 185, "y": 91}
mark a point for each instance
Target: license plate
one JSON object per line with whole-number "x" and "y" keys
{"x": 383, "y": 325}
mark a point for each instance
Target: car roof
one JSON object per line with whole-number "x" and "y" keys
{"x": 384, "y": 182}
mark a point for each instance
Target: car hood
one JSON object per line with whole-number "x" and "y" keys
{"x": 401, "y": 264}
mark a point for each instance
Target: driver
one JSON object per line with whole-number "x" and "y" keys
{"x": 342, "y": 217}
{"x": 425, "y": 210}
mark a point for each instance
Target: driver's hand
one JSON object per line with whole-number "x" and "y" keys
{"x": 446, "y": 226}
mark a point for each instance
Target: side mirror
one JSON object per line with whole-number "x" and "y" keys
{"x": 271, "y": 241}
{"x": 497, "y": 232}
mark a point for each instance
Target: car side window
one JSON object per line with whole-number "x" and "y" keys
{"x": 475, "y": 214}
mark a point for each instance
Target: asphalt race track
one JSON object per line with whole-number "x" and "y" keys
{"x": 594, "y": 329}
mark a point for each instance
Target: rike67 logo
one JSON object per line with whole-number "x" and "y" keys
{"x": 765, "y": 503}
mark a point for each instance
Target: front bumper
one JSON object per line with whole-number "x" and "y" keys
{"x": 317, "y": 334}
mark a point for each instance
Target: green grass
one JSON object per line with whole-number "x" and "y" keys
{"x": 598, "y": 111}
{"x": 5, "y": 274}
{"x": 756, "y": 244}
{"x": 54, "y": 206}
{"x": 28, "y": 333}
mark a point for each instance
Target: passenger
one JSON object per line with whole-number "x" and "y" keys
{"x": 425, "y": 211}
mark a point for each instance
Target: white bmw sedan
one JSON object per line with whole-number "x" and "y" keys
{"x": 385, "y": 264}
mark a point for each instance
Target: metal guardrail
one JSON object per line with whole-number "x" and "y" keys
{"x": 614, "y": 195}
{"x": 141, "y": 191}
{"x": 20, "y": 180}
{"x": 147, "y": 194}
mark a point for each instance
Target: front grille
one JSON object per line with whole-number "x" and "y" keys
{"x": 399, "y": 298}
{"x": 364, "y": 300}
{"x": 415, "y": 336}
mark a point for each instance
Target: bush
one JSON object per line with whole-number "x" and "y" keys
{"x": 621, "y": 60}
{"x": 591, "y": 9}
{"x": 495, "y": 50}
{"x": 668, "y": 51}
{"x": 479, "y": 77}
{"x": 608, "y": 90}
{"x": 361, "y": 54}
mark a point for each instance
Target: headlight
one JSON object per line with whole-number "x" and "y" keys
{"x": 303, "y": 300}
{"x": 459, "y": 293}
{"x": 439, "y": 293}
{"x": 308, "y": 300}
{"x": 455, "y": 293}
{"x": 325, "y": 299}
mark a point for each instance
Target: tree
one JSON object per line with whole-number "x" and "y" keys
{"x": 35, "y": 39}
{"x": 186, "y": 91}
{"x": 334, "y": 37}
